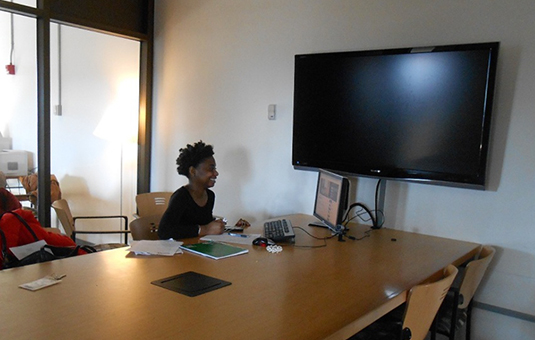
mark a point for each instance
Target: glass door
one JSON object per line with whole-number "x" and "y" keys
{"x": 94, "y": 124}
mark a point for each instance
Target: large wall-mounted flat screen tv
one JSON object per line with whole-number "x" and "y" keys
{"x": 420, "y": 114}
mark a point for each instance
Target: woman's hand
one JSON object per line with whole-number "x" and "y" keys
{"x": 213, "y": 228}
{"x": 242, "y": 223}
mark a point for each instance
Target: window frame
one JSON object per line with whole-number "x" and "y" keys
{"x": 97, "y": 15}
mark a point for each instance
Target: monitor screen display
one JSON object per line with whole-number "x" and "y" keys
{"x": 418, "y": 114}
{"x": 331, "y": 198}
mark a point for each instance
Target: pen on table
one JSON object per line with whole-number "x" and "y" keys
{"x": 238, "y": 235}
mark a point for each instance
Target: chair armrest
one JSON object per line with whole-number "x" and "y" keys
{"x": 125, "y": 232}
{"x": 102, "y": 217}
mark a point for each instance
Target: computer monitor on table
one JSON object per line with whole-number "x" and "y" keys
{"x": 331, "y": 199}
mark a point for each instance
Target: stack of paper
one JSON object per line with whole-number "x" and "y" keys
{"x": 156, "y": 247}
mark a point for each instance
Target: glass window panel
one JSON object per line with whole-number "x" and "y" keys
{"x": 95, "y": 81}
{"x": 29, "y": 3}
{"x": 18, "y": 98}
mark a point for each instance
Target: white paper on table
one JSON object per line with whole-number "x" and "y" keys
{"x": 156, "y": 247}
{"x": 40, "y": 283}
{"x": 21, "y": 252}
{"x": 231, "y": 238}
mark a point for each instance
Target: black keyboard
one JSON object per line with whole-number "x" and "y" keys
{"x": 279, "y": 231}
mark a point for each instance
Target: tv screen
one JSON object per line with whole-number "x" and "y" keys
{"x": 331, "y": 198}
{"x": 419, "y": 114}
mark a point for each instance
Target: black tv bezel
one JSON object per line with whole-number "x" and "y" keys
{"x": 344, "y": 198}
{"x": 475, "y": 181}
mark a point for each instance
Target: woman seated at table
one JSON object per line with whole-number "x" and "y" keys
{"x": 190, "y": 210}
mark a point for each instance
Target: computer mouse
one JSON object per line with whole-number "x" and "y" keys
{"x": 262, "y": 241}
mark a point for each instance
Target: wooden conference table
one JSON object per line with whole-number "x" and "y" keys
{"x": 327, "y": 292}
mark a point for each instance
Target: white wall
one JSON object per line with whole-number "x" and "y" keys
{"x": 219, "y": 64}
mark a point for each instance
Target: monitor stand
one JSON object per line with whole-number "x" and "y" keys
{"x": 379, "y": 213}
{"x": 340, "y": 230}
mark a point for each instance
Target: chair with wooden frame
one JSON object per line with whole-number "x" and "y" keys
{"x": 152, "y": 203}
{"x": 457, "y": 307}
{"x": 423, "y": 302}
{"x": 69, "y": 223}
{"x": 3, "y": 180}
{"x": 145, "y": 228}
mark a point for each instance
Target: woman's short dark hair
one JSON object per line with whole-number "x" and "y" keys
{"x": 193, "y": 155}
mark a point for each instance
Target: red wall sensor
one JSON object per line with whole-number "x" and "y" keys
{"x": 10, "y": 69}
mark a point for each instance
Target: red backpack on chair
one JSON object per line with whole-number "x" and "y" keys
{"x": 19, "y": 227}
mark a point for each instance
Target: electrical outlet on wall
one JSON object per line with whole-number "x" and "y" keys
{"x": 57, "y": 110}
{"x": 271, "y": 112}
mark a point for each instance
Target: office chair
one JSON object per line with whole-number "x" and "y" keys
{"x": 152, "y": 203}
{"x": 457, "y": 307}
{"x": 3, "y": 180}
{"x": 423, "y": 302}
{"x": 145, "y": 228}
{"x": 30, "y": 184}
{"x": 69, "y": 224}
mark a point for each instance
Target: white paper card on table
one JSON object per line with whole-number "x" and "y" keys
{"x": 156, "y": 247}
{"x": 21, "y": 252}
{"x": 231, "y": 238}
{"x": 40, "y": 283}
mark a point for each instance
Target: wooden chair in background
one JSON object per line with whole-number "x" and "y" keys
{"x": 423, "y": 302}
{"x": 30, "y": 184}
{"x": 145, "y": 228}
{"x": 69, "y": 224}
{"x": 152, "y": 203}
{"x": 457, "y": 307}
{"x": 3, "y": 180}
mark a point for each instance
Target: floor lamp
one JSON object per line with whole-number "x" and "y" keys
{"x": 109, "y": 128}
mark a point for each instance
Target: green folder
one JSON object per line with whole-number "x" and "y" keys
{"x": 214, "y": 250}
